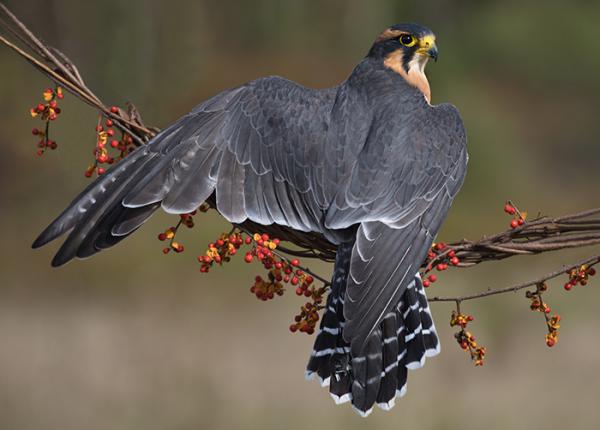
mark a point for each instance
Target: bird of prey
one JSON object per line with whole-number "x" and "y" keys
{"x": 370, "y": 164}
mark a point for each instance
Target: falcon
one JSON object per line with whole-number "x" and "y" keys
{"x": 370, "y": 164}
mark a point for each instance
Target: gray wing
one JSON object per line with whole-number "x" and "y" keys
{"x": 399, "y": 191}
{"x": 258, "y": 147}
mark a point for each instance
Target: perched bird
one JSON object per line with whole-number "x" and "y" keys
{"x": 370, "y": 164}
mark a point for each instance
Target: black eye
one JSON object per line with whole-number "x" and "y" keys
{"x": 407, "y": 40}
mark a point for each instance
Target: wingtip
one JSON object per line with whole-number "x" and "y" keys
{"x": 40, "y": 241}
{"x": 59, "y": 260}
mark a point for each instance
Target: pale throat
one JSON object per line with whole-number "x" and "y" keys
{"x": 416, "y": 71}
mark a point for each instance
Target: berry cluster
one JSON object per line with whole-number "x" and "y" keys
{"x": 579, "y": 276}
{"x": 306, "y": 320}
{"x": 104, "y": 133}
{"x": 465, "y": 339}
{"x": 47, "y": 112}
{"x": 279, "y": 272}
{"x": 538, "y": 305}
{"x": 440, "y": 257}
{"x": 553, "y": 326}
{"x": 221, "y": 250}
{"x": 170, "y": 233}
{"x": 518, "y": 216}
{"x": 267, "y": 289}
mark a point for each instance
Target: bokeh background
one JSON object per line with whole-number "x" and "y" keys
{"x": 133, "y": 339}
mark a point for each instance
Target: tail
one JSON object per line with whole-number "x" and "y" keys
{"x": 403, "y": 340}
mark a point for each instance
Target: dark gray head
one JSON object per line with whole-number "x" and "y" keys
{"x": 410, "y": 40}
{"x": 405, "y": 49}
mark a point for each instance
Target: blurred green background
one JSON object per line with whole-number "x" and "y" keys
{"x": 133, "y": 339}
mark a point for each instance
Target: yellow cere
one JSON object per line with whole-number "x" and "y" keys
{"x": 426, "y": 43}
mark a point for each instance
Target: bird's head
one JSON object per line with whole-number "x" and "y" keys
{"x": 406, "y": 49}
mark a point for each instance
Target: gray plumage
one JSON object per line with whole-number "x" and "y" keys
{"x": 370, "y": 164}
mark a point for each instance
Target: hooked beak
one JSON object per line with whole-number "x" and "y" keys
{"x": 427, "y": 47}
{"x": 433, "y": 53}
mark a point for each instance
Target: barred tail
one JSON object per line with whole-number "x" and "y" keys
{"x": 403, "y": 340}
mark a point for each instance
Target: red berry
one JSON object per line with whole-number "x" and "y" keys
{"x": 101, "y": 170}
{"x": 162, "y": 237}
{"x": 520, "y": 221}
{"x": 88, "y": 173}
{"x": 550, "y": 342}
{"x": 295, "y": 262}
{"x": 114, "y": 109}
{"x": 307, "y": 293}
{"x": 110, "y": 132}
{"x": 40, "y": 108}
{"x": 114, "y": 143}
{"x": 299, "y": 291}
{"x": 53, "y": 104}
{"x": 568, "y": 286}
{"x": 109, "y": 122}
{"x": 509, "y": 209}
{"x": 432, "y": 278}
{"x": 454, "y": 261}
{"x": 248, "y": 240}
{"x": 426, "y": 283}
{"x": 166, "y": 250}
{"x": 514, "y": 223}
{"x": 591, "y": 271}
{"x": 248, "y": 258}
{"x": 35, "y": 131}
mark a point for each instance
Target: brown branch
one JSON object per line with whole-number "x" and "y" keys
{"x": 512, "y": 289}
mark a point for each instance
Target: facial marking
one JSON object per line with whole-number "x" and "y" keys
{"x": 413, "y": 73}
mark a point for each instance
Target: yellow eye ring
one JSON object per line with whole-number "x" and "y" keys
{"x": 407, "y": 40}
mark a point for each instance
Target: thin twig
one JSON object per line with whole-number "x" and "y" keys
{"x": 564, "y": 269}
